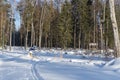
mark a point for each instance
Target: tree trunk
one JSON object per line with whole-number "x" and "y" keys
{"x": 94, "y": 24}
{"x": 32, "y": 29}
{"x": 106, "y": 37}
{"x": 20, "y": 39}
{"x": 1, "y": 25}
{"x": 115, "y": 27}
{"x": 41, "y": 24}
{"x": 46, "y": 36}
{"x": 26, "y": 38}
{"x": 74, "y": 37}
{"x": 40, "y": 35}
{"x": 79, "y": 40}
{"x": 32, "y": 34}
{"x": 11, "y": 34}
{"x": 3, "y": 30}
{"x": 101, "y": 37}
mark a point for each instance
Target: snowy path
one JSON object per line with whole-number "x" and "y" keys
{"x": 18, "y": 66}
{"x": 62, "y": 71}
{"x": 35, "y": 73}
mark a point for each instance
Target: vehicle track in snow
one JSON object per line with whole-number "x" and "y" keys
{"x": 35, "y": 73}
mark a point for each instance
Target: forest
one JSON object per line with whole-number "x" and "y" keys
{"x": 58, "y": 23}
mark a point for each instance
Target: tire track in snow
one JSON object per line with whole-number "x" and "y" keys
{"x": 35, "y": 73}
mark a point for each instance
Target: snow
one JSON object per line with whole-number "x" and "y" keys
{"x": 114, "y": 64}
{"x": 48, "y": 65}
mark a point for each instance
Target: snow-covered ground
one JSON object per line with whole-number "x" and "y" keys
{"x": 55, "y": 65}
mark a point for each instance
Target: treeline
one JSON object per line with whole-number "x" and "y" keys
{"x": 58, "y": 23}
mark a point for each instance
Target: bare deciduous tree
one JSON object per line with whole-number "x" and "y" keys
{"x": 115, "y": 27}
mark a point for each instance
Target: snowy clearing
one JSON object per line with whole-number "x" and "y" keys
{"x": 48, "y": 65}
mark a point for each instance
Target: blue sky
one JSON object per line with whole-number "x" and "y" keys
{"x": 17, "y": 16}
{"x": 17, "y": 22}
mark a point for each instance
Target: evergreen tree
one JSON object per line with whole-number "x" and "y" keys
{"x": 84, "y": 24}
{"x": 108, "y": 35}
{"x": 64, "y": 25}
{"x": 75, "y": 20}
{"x": 4, "y": 22}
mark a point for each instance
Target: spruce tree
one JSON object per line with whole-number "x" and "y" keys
{"x": 75, "y": 20}
{"x": 64, "y": 25}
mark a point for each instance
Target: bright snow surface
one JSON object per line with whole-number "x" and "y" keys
{"x": 47, "y": 65}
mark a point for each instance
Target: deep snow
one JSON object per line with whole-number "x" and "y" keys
{"x": 48, "y": 65}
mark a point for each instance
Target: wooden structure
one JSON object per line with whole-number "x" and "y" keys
{"x": 93, "y": 46}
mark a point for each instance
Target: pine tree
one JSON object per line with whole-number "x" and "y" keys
{"x": 75, "y": 20}
{"x": 84, "y": 24}
{"x": 4, "y": 21}
{"x": 64, "y": 25}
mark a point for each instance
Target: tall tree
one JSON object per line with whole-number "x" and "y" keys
{"x": 115, "y": 27}
{"x": 41, "y": 22}
{"x": 64, "y": 25}
{"x": 4, "y": 21}
{"x": 75, "y": 20}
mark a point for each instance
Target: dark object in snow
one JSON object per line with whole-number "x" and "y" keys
{"x": 65, "y": 52}
{"x": 70, "y": 60}
{"x": 32, "y": 48}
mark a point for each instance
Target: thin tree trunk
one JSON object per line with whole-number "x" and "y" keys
{"x": 3, "y": 29}
{"x": 94, "y": 23}
{"x": 26, "y": 39}
{"x": 41, "y": 25}
{"x": 1, "y": 22}
{"x": 11, "y": 31}
{"x": 26, "y": 34}
{"x": 74, "y": 37}
{"x": 106, "y": 38}
{"x": 21, "y": 39}
{"x": 40, "y": 29}
{"x": 89, "y": 37}
{"x": 101, "y": 36}
{"x": 36, "y": 39}
{"x": 32, "y": 28}
{"x": 115, "y": 27}
{"x": 46, "y": 40}
{"x": 51, "y": 38}
{"x": 79, "y": 40}
{"x": 40, "y": 35}
{"x": 32, "y": 32}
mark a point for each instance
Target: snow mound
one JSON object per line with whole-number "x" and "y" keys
{"x": 115, "y": 63}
